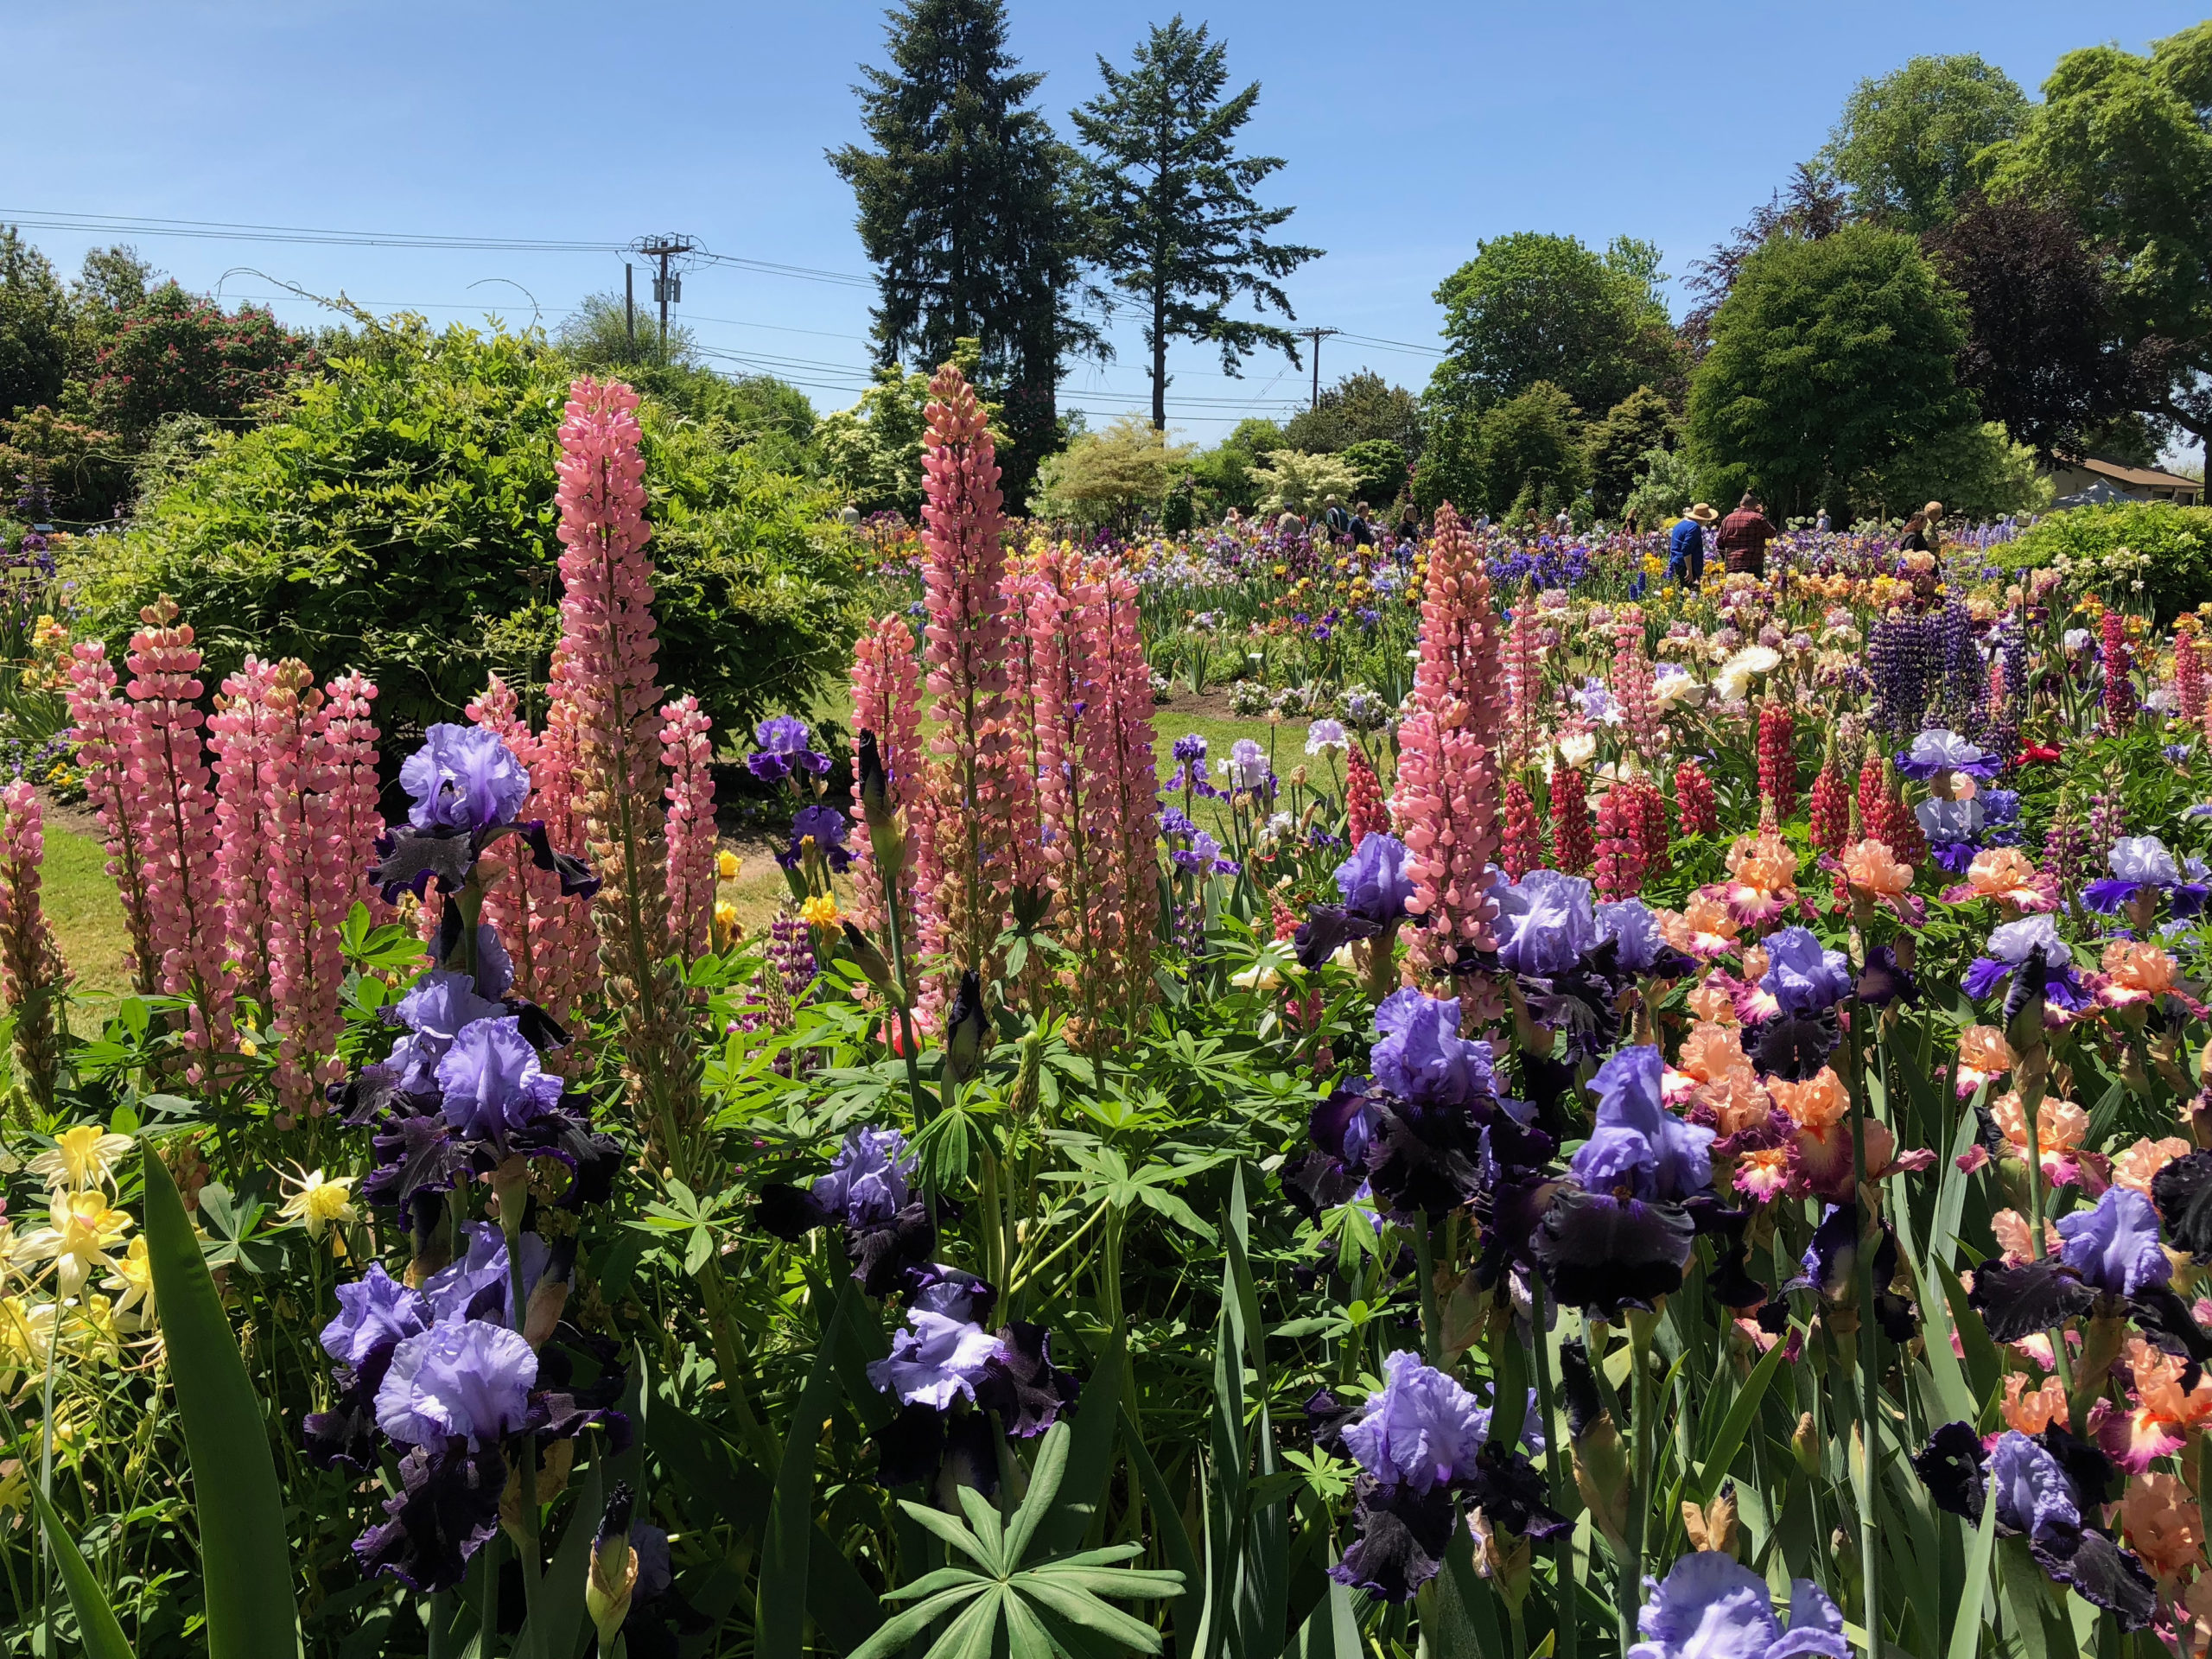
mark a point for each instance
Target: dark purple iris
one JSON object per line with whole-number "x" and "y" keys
{"x": 827, "y": 827}
{"x": 889, "y": 1234}
{"x": 2051, "y": 1487}
{"x": 466, "y": 786}
{"x": 784, "y": 750}
{"x": 2031, "y": 959}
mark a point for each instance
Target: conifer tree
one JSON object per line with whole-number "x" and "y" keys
{"x": 1169, "y": 204}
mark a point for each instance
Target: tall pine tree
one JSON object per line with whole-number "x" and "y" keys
{"x": 1169, "y": 204}
{"x": 964, "y": 209}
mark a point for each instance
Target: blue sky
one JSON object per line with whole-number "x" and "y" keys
{"x": 1412, "y": 130}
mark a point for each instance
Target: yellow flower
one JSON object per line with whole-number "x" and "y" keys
{"x": 134, "y": 1278}
{"x": 80, "y": 1231}
{"x": 315, "y": 1202}
{"x": 83, "y": 1156}
{"x": 820, "y": 912}
{"x": 726, "y": 865}
{"x": 248, "y": 1047}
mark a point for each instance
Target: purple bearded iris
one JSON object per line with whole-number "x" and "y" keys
{"x": 2030, "y": 957}
{"x": 2109, "y": 1263}
{"x": 2050, "y": 1486}
{"x": 2142, "y": 870}
{"x": 463, "y": 777}
{"x": 785, "y": 750}
{"x": 934, "y": 1361}
{"x": 491, "y": 1083}
{"x": 1422, "y": 1057}
{"x": 1374, "y": 880}
{"x": 1423, "y": 1444}
{"x": 1546, "y": 922}
{"x": 1806, "y": 980}
{"x": 376, "y": 1310}
{"x": 1640, "y": 948}
{"x": 466, "y": 786}
{"x": 1711, "y": 1606}
{"x": 1935, "y": 752}
{"x": 1620, "y": 1235}
{"x": 1830, "y": 1267}
{"x": 1955, "y": 831}
{"x": 469, "y": 1380}
{"x": 889, "y": 1234}
{"x": 827, "y": 828}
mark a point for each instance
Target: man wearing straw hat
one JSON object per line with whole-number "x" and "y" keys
{"x": 1686, "y": 547}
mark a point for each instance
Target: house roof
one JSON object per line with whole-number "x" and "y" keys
{"x": 2143, "y": 478}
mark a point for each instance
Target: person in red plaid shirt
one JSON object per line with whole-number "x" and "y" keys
{"x": 1744, "y": 535}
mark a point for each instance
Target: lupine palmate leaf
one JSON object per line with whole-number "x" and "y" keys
{"x": 1052, "y": 1606}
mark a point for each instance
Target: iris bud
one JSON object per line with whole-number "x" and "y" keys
{"x": 613, "y": 1572}
{"x": 966, "y": 1029}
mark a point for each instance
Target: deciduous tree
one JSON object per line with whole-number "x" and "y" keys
{"x": 1906, "y": 143}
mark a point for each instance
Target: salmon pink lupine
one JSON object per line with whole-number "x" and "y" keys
{"x": 887, "y": 682}
{"x": 312, "y": 873}
{"x": 102, "y": 721}
{"x": 606, "y": 677}
{"x": 31, "y": 969}
{"x": 549, "y": 935}
{"x": 176, "y": 826}
{"x": 692, "y": 836}
{"x": 1446, "y": 809}
{"x": 351, "y": 733}
{"x": 1632, "y": 686}
{"x": 1524, "y": 668}
{"x": 241, "y": 737}
{"x": 979, "y": 800}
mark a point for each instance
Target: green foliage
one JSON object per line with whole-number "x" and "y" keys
{"x": 1224, "y": 473}
{"x": 1294, "y": 481}
{"x": 1380, "y": 466}
{"x": 1830, "y": 359}
{"x": 33, "y": 326}
{"x": 1975, "y": 470}
{"x": 1168, "y": 206}
{"x": 2125, "y": 142}
{"x": 603, "y": 334}
{"x": 1362, "y": 407}
{"x": 2170, "y": 549}
{"x": 1906, "y": 142}
{"x": 1109, "y": 477}
{"x": 180, "y": 354}
{"x": 399, "y": 519}
{"x": 963, "y": 199}
{"x": 872, "y": 453}
{"x": 1667, "y": 487}
{"x": 1530, "y": 452}
{"x": 1530, "y": 307}
{"x": 1618, "y": 447}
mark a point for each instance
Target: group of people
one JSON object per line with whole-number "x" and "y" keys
{"x": 1743, "y": 534}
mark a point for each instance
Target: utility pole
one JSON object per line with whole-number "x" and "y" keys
{"x": 668, "y": 287}
{"x": 630, "y": 305}
{"x": 1316, "y": 335}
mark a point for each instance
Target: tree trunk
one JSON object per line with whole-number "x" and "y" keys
{"x": 1160, "y": 364}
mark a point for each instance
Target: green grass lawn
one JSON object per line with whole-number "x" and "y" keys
{"x": 86, "y": 913}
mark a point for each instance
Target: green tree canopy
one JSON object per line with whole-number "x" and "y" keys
{"x": 1619, "y": 447}
{"x": 2125, "y": 142}
{"x": 1529, "y": 452}
{"x": 1829, "y": 358}
{"x": 1224, "y": 474}
{"x": 1532, "y": 307}
{"x": 1907, "y": 141}
{"x": 34, "y": 328}
{"x": 1360, "y": 408}
{"x": 964, "y": 210}
{"x": 1169, "y": 202}
{"x": 399, "y": 517}
{"x": 1109, "y": 477}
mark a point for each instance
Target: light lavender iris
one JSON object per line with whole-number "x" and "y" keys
{"x": 463, "y": 777}
{"x": 1422, "y": 1059}
{"x": 1421, "y": 1429}
{"x": 2115, "y": 1246}
{"x": 1636, "y": 1142}
{"x": 1545, "y": 922}
{"x": 470, "y": 1379}
{"x": 1711, "y": 1606}
{"x": 1803, "y": 976}
{"x": 934, "y": 1360}
{"x": 373, "y": 1312}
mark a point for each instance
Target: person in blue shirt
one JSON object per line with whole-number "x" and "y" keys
{"x": 1686, "y": 547}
